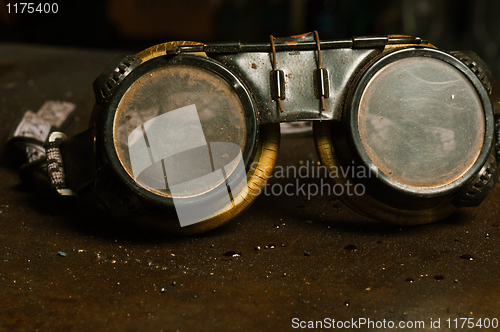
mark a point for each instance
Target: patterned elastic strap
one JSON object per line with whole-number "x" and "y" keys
{"x": 55, "y": 166}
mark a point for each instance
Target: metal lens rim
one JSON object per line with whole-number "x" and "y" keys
{"x": 146, "y": 67}
{"x": 355, "y": 138}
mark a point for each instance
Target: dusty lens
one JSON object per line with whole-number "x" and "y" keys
{"x": 166, "y": 124}
{"x": 421, "y": 122}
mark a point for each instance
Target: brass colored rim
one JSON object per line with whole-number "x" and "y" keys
{"x": 161, "y": 49}
{"x": 390, "y": 47}
{"x": 265, "y": 157}
{"x": 365, "y": 204}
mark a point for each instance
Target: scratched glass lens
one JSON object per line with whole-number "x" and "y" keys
{"x": 421, "y": 122}
{"x": 177, "y": 124}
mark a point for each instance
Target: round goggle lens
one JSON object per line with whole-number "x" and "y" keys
{"x": 180, "y": 123}
{"x": 421, "y": 122}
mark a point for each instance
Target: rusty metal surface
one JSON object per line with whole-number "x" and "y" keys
{"x": 300, "y": 102}
{"x": 64, "y": 267}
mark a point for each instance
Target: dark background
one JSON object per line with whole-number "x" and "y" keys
{"x": 138, "y": 24}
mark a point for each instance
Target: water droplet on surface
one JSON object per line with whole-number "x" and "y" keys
{"x": 468, "y": 257}
{"x": 257, "y": 248}
{"x": 271, "y": 246}
{"x": 173, "y": 283}
{"x": 307, "y": 253}
{"x": 455, "y": 280}
{"x": 346, "y": 304}
{"x": 276, "y": 226}
{"x": 409, "y": 280}
{"x": 487, "y": 235}
{"x": 438, "y": 277}
{"x": 163, "y": 290}
{"x": 232, "y": 254}
{"x": 61, "y": 253}
{"x": 351, "y": 247}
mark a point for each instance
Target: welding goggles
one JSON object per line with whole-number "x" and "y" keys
{"x": 184, "y": 135}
